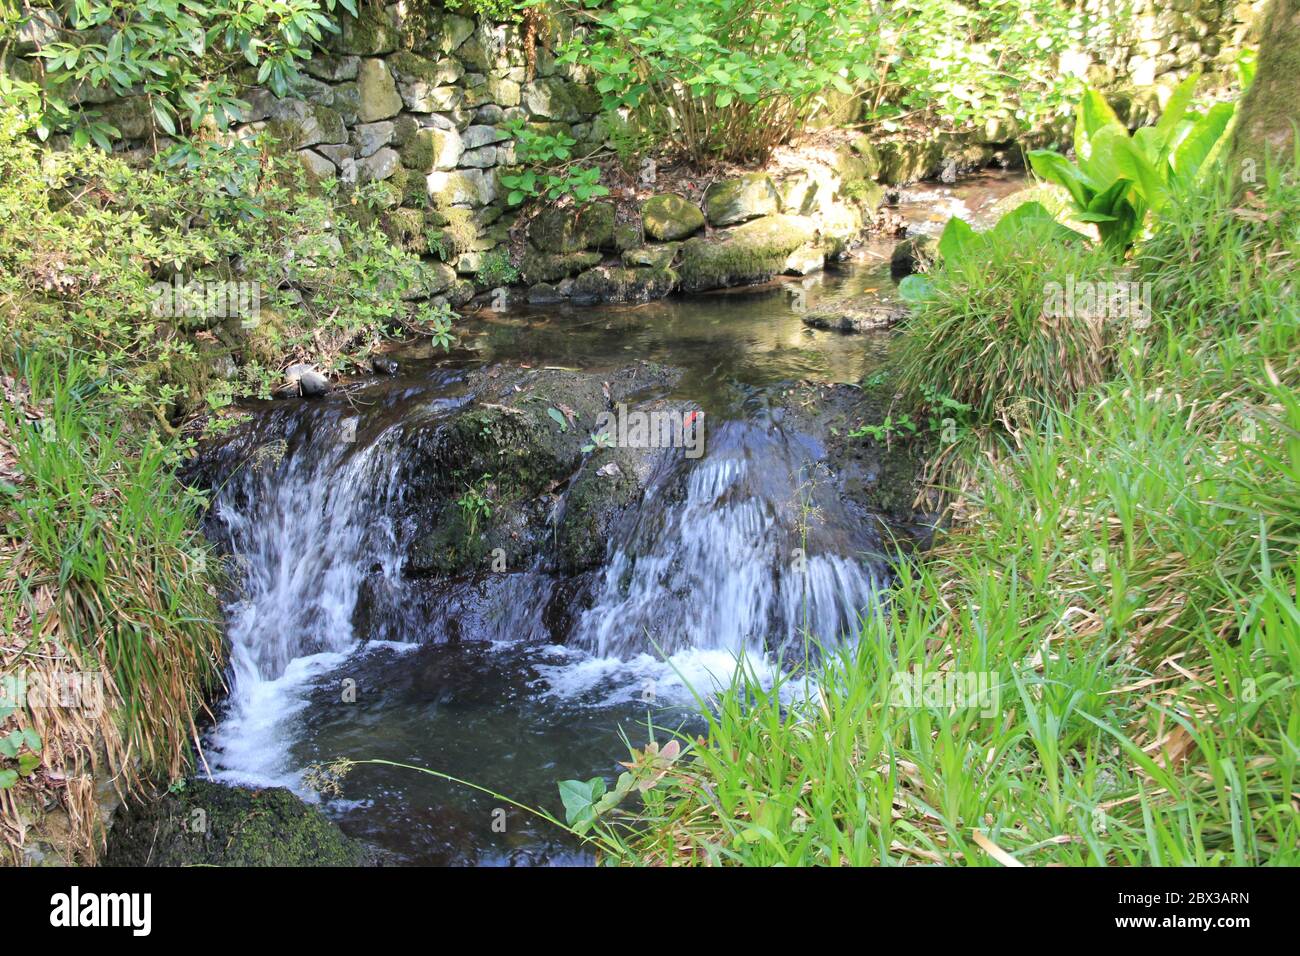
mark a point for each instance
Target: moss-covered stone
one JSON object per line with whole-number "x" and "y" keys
{"x": 616, "y": 284}
{"x": 866, "y": 150}
{"x": 658, "y": 256}
{"x": 668, "y": 217}
{"x": 432, "y": 149}
{"x": 378, "y": 93}
{"x": 754, "y": 252}
{"x": 911, "y": 255}
{"x": 740, "y": 199}
{"x": 555, "y": 98}
{"x": 906, "y": 161}
{"x": 370, "y": 34}
{"x": 540, "y": 266}
{"x": 208, "y": 824}
{"x": 627, "y": 235}
{"x": 452, "y": 232}
{"x": 406, "y": 227}
{"x": 564, "y": 230}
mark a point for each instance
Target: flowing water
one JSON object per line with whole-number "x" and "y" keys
{"x": 518, "y": 680}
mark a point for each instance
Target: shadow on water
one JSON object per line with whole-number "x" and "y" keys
{"x": 519, "y": 679}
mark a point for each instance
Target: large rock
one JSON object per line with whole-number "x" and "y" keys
{"x": 378, "y": 93}
{"x": 209, "y": 824}
{"x": 538, "y": 267}
{"x": 618, "y": 284}
{"x": 562, "y": 230}
{"x": 754, "y": 252}
{"x": 550, "y": 495}
{"x": 668, "y": 217}
{"x": 740, "y": 199}
{"x": 554, "y": 98}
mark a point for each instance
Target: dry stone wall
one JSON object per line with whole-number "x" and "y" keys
{"x": 415, "y": 104}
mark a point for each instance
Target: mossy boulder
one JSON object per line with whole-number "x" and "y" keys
{"x": 668, "y": 217}
{"x": 620, "y": 284}
{"x": 754, "y": 252}
{"x": 911, "y": 255}
{"x": 509, "y": 445}
{"x": 209, "y": 824}
{"x": 564, "y": 230}
{"x": 740, "y": 199}
{"x": 906, "y": 161}
{"x": 551, "y": 267}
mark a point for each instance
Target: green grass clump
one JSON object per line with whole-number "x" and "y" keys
{"x": 101, "y": 574}
{"x": 988, "y": 336}
{"x": 1121, "y": 584}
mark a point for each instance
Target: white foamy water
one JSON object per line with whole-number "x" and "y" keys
{"x": 728, "y": 568}
{"x": 711, "y": 575}
{"x": 305, "y": 530}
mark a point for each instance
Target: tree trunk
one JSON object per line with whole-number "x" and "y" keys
{"x": 1267, "y": 116}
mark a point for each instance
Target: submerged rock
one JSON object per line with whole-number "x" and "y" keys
{"x": 210, "y": 824}
{"x": 868, "y": 319}
{"x": 914, "y": 254}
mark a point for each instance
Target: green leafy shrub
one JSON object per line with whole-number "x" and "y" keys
{"x": 552, "y": 173}
{"x": 739, "y": 76}
{"x": 90, "y": 248}
{"x": 1118, "y": 177}
{"x": 967, "y": 62}
{"x": 178, "y": 55}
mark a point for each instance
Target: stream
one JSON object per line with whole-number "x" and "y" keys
{"x": 518, "y": 674}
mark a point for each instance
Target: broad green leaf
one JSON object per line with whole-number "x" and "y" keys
{"x": 915, "y": 289}
{"x": 1093, "y": 115}
{"x": 1055, "y": 168}
{"x": 957, "y": 238}
{"x": 1204, "y": 140}
{"x": 1175, "y": 110}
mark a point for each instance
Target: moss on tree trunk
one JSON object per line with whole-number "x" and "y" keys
{"x": 1271, "y": 108}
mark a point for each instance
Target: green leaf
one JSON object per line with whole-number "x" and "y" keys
{"x": 579, "y": 799}
{"x": 1174, "y": 111}
{"x": 1093, "y": 115}
{"x": 558, "y": 416}
{"x": 915, "y": 289}
{"x": 957, "y": 239}
{"x": 1202, "y": 142}
{"x": 1056, "y": 168}
{"x": 8, "y": 778}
